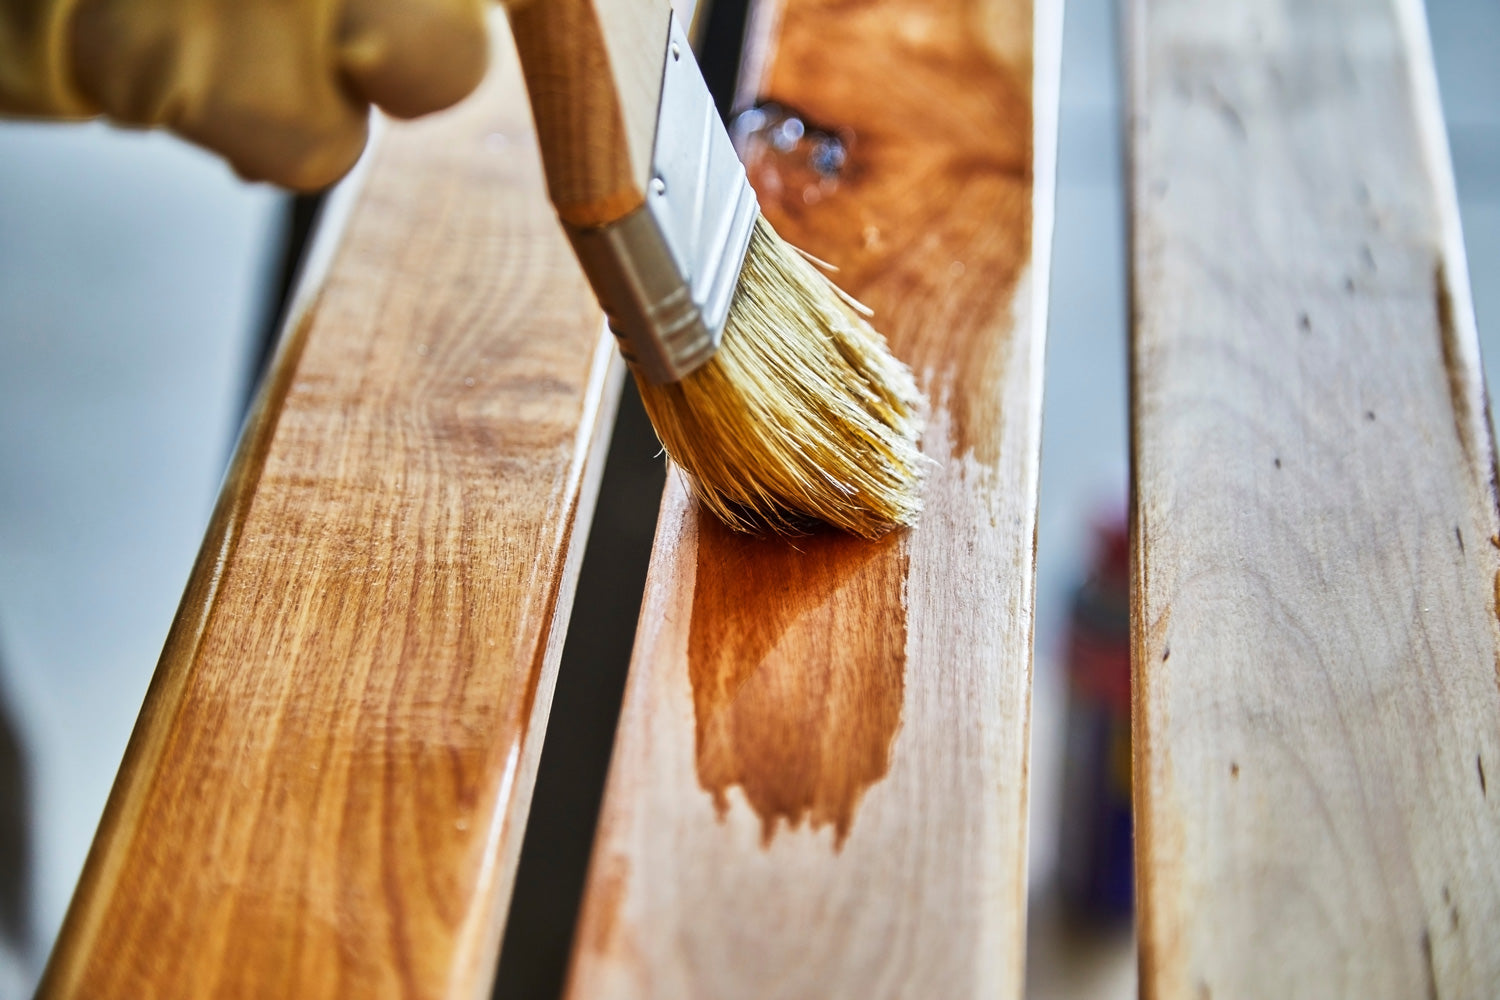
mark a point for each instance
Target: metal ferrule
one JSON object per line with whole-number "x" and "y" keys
{"x": 667, "y": 272}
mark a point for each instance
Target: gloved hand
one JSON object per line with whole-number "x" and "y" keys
{"x": 281, "y": 88}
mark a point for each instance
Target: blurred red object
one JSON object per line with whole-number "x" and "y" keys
{"x": 1095, "y": 850}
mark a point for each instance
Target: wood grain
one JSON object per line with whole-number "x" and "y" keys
{"x": 326, "y": 791}
{"x": 1316, "y": 532}
{"x": 819, "y": 782}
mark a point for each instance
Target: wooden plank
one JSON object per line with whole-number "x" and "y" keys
{"x": 1317, "y": 546}
{"x": 326, "y": 792}
{"x": 819, "y": 783}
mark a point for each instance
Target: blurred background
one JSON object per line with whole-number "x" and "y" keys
{"x": 139, "y": 284}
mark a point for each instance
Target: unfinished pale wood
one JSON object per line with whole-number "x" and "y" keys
{"x": 326, "y": 791}
{"x": 593, "y": 69}
{"x": 819, "y": 783}
{"x": 1317, "y": 542}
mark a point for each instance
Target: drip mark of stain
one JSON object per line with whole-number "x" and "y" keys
{"x": 1426, "y": 944}
{"x": 797, "y": 657}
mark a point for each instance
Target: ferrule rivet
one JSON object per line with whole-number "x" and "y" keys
{"x": 658, "y": 186}
{"x": 676, "y": 52}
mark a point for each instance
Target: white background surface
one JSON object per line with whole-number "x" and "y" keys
{"x": 133, "y": 272}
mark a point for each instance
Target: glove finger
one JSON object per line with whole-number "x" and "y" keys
{"x": 304, "y": 153}
{"x": 413, "y": 57}
{"x": 127, "y": 61}
{"x": 246, "y": 80}
{"x": 34, "y": 78}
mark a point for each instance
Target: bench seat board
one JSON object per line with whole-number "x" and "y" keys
{"x": 326, "y": 791}
{"x": 1316, "y": 541}
{"x": 819, "y": 781}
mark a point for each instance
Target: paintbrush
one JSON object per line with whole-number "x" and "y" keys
{"x": 765, "y": 383}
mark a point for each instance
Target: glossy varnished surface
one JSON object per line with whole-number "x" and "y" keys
{"x": 1317, "y": 704}
{"x": 799, "y": 743}
{"x": 819, "y": 782}
{"x": 326, "y": 791}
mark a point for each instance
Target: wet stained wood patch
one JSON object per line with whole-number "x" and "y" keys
{"x": 796, "y": 692}
{"x": 819, "y": 781}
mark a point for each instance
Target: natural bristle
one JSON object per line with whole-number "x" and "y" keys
{"x": 803, "y": 415}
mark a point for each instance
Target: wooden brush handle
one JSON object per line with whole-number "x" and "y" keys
{"x": 593, "y": 69}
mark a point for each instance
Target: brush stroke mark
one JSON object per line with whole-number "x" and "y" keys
{"x": 797, "y": 649}
{"x": 797, "y": 689}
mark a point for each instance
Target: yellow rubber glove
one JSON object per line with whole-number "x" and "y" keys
{"x": 280, "y": 88}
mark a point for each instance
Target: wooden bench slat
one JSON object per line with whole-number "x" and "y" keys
{"x": 819, "y": 782}
{"x": 1316, "y": 533}
{"x": 326, "y": 791}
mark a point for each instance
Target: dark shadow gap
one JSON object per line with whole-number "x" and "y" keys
{"x": 581, "y": 731}
{"x": 596, "y": 655}
{"x": 302, "y": 214}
